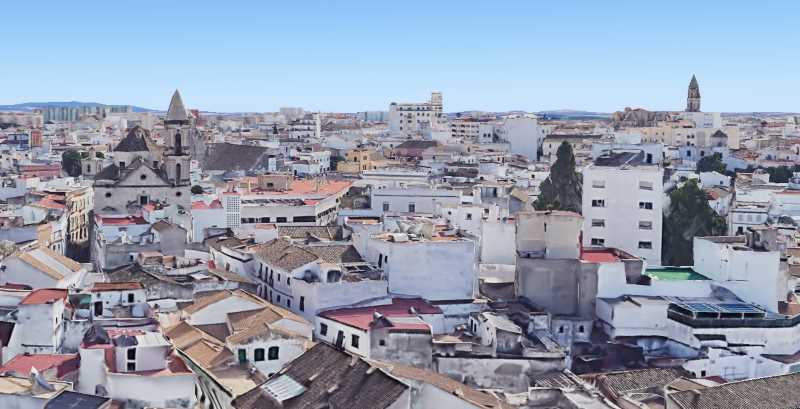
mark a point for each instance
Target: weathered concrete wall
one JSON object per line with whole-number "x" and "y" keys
{"x": 407, "y": 348}
{"x": 512, "y": 375}
{"x": 562, "y": 286}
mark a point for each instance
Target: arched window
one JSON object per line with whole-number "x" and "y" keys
{"x": 177, "y": 173}
{"x": 178, "y": 143}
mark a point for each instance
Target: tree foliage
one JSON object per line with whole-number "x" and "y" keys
{"x": 197, "y": 190}
{"x": 711, "y": 163}
{"x": 562, "y": 190}
{"x": 71, "y": 162}
{"x": 689, "y": 216}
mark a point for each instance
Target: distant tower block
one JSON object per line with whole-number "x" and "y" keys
{"x": 693, "y": 99}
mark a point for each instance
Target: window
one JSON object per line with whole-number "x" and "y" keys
{"x": 598, "y": 242}
{"x": 131, "y": 366}
{"x": 108, "y": 194}
{"x": 469, "y": 216}
{"x": 354, "y": 340}
{"x": 580, "y": 329}
{"x": 280, "y": 220}
{"x": 385, "y": 206}
{"x": 599, "y": 184}
{"x": 242, "y": 355}
{"x": 412, "y": 207}
{"x": 259, "y": 354}
{"x": 646, "y": 205}
{"x": 288, "y": 280}
{"x": 130, "y": 297}
{"x": 645, "y": 225}
{"x": 131, "y": 353}
{"x": 645, "y": 185}
{"x": 302, "y": 303}
{"x": 598, "y": 223}
{"x": 288, "y": 303}
{"x": 645, "y": 245}
{"x": 323, "y": 329}
{"x": 273, "y": 353}
{"x": 598, "y": 203}
{"x": 279, "y": 277}
{"x": 382, "y": 342}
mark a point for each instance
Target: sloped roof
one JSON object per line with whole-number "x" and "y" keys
{"x": 215, "y": 297}
{"x": 451, "y": 386}
{"x": 228, "y": 156}
{"x": 110, "y": 172}
{"x": 775, "y": 392}
{"x": 134, "y": 141}
{"x": 176, "y": 110}
{"x": 289, "y": 256}
{"x": 330, "y": 377}
{"x": 54, "y": 265}
{"x": 622, "y": 382}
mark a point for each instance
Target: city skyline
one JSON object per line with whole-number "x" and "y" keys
{"x": 251, "y": 57}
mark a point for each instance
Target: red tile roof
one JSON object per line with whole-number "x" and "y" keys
{"x": 22, "y": 364}
{"x": 362, "y": 317}
{"x": 599, "y": 255}
{"x": 121, "y": 221}
{"x": 99, "y": 287}
{"x": 44, "y": 296}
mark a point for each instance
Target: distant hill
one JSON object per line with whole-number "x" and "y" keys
{"x": 30, "y": 106}
{"x": 572, "y": 114}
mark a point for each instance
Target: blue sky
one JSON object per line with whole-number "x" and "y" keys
{"x": 361, "y": 55}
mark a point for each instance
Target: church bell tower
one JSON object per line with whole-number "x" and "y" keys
{"x": 177, "y": 156}
{"x": 693, "y": 99}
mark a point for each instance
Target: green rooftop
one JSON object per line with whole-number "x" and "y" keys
{"x": 674, "y": 274}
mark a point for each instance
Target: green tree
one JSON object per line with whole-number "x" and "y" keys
{"x": 689, "y": 216}
{"x": 99, "y": 155}
{"x": 71, "y": 162}
{"x": 779, "y": 174}
{"x": 712, "y": 163}
{"x": 197, "y": 190}
{"x": 561, "y": 190}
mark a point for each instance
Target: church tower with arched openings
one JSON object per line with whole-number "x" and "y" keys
{"x": 177, "y": 157}
{"x": 693, "y": 99}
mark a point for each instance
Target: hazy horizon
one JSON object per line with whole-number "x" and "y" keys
{"x": 245, "y": 56}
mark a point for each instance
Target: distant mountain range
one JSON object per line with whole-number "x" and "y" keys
{"x": 573, "y": 114}
{"x": 30, "y": 106}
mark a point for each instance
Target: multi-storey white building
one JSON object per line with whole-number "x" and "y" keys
{"x": 410, "y": 118}
{"x": 622, "y": 204}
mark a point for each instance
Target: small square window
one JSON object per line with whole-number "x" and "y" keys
{"x": 598, "y": 223}
{"x": 647, "y": 245}
{"x": 323, "y": 329}
{"x": 354, "y": 341}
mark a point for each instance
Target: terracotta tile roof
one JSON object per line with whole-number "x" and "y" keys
{"x": 120, "y": 286}
{"x": 204, "y": 301}
{"x": 44, "y": 296}
{"x": 202, "y": 348}
{"x": 22, "y": 364}
{"x": 260, "y": 322}
{"x": 363, "y": 317}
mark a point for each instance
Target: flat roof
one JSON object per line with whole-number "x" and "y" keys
{"x": 674, "y": 274}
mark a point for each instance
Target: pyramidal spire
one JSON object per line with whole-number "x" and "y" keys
{"x": 692, "y": 83}
{"x": 176, "y": 110}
